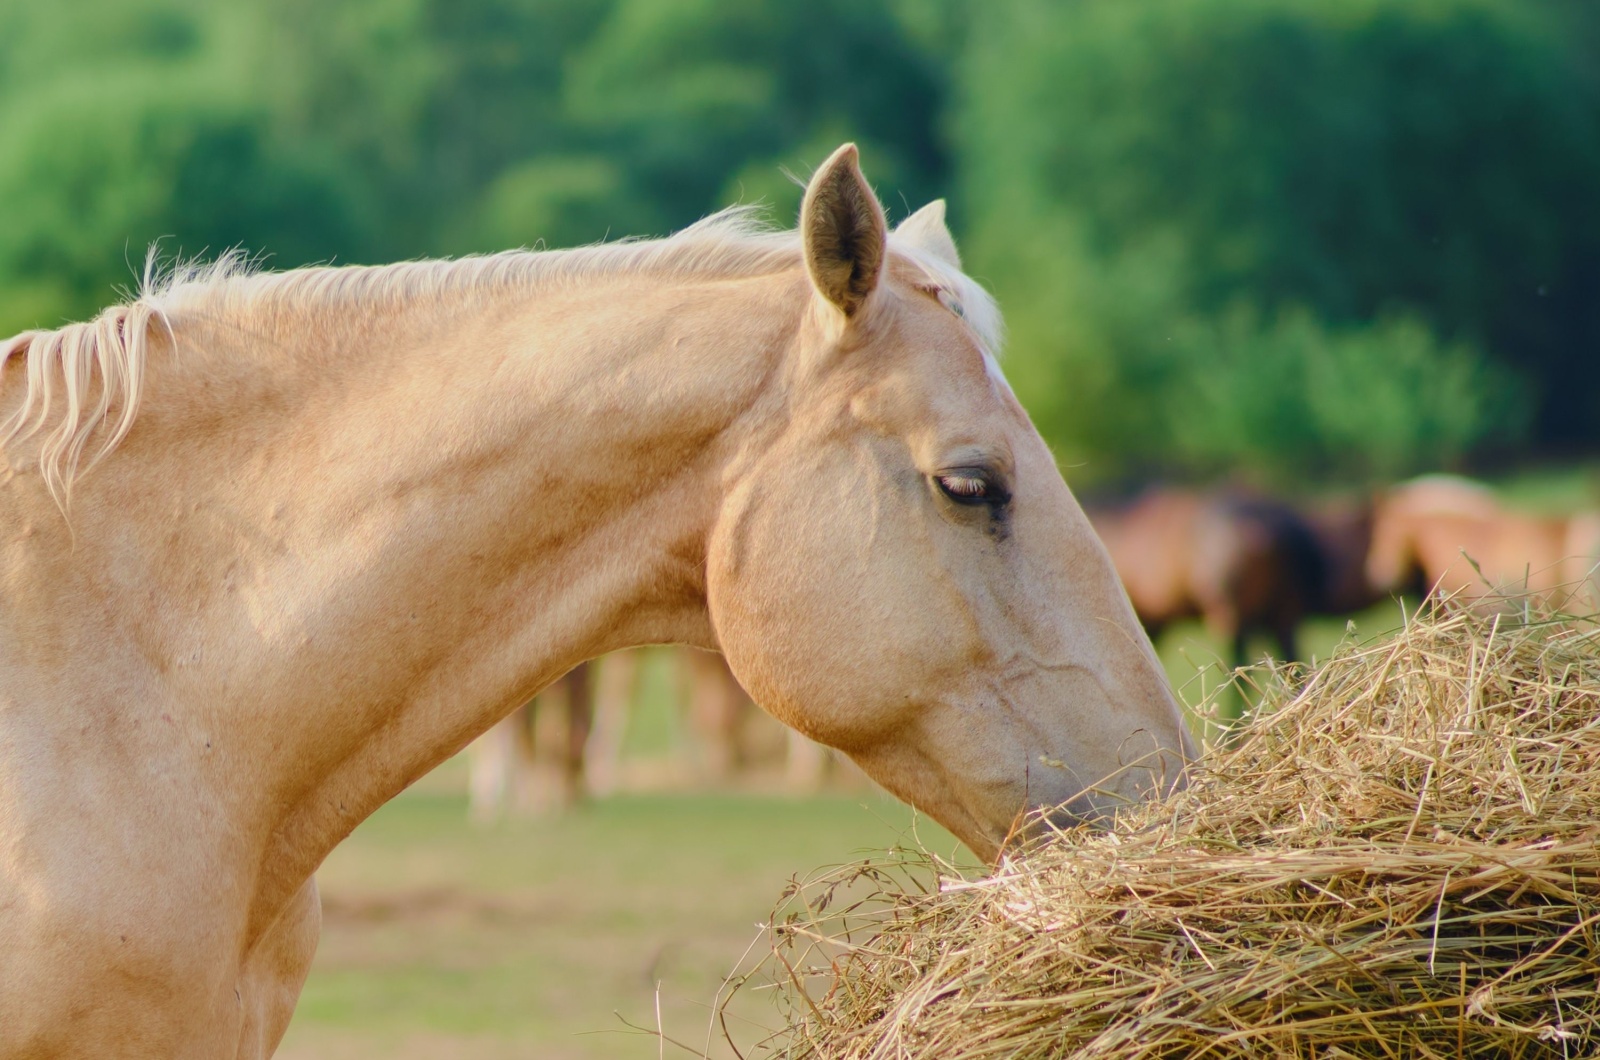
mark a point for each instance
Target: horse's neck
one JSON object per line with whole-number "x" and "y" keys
{"x": 401, "y": 531}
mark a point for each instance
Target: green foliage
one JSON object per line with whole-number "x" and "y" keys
{"x": 1356, "y": 237}
{"x": 1349, "y": 160}
{"x": 566, "y": 200}
{"x": 428, "y": 102}
{"x": 692, "y": 91}
{"x": 487, "y": 122}
{"x": 377, "y": 129}
{"x": 1375, "y": 401}
{"x": 201, "y": 175}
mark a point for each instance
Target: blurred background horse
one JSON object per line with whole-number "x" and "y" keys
{"x": 1248, "y": 564}
{"x": 1243, "y": 564}
{"x": 569, "y": 742}
{"x": 1452, "y": 537}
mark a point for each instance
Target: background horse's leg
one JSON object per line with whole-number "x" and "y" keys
{"x": 613, "y": 691}
{"x": 491, "y": 761}
{"x": 1286, "y": 634}
{"x": 716, "y": 708}
{"x": 1222, "y": 621}
{"x": 805, "y": 764}
{"x": 528, "y": 795}
{"x": 579, "y": 723}
{"x": 1240, "y": 644}
{"x": 553, "y": 746}
{"x": 506, "y": 770}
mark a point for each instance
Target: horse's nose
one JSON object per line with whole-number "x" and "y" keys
{"x": 1097, "y": 808}
{"x": 1074, "y": 813}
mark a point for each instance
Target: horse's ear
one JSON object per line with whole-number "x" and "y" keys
{"x": 843, "y": 231}
{"x": 926, "y": 231}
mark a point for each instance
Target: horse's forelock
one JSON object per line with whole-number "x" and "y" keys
{"x": 978, "y": 307}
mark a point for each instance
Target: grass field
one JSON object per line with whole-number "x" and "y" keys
{"x": 537, "y": 939}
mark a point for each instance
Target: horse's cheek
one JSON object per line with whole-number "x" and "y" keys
{"x": 803, "y": 659}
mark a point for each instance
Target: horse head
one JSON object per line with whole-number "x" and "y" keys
{"x": 900, "y": 571}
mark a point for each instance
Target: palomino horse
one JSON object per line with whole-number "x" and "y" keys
{"x": 1451, "y": 536}
{"x": 340, "y": 521}
{"x": 1242, "y": 564}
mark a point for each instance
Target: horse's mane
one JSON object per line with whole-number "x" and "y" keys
{"x": 733, "y": 242}
{"x": 98, "y": 367}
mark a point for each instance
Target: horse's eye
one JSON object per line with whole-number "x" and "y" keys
{"x": 952, "y": 303}
{"x": 964, "y": 488}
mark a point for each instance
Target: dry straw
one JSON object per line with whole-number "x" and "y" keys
{"x": 1396, "y": 858}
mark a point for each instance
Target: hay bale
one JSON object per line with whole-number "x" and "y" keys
{"x": 1397, "y": 858}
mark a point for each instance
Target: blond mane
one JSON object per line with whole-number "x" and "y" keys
{"x": 86, "y": 379}
{"x": 95, "y": 372}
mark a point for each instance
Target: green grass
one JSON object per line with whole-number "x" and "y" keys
{"x": 535, "y": 939}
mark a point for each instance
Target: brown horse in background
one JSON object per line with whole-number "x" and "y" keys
{"x": 1242, "y": 564}
{"x": 1245, "y": 564}
{"x": 1342, "y": 530}
{"x": 1452, "y": 537}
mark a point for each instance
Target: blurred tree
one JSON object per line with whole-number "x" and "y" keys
{"x": 151, "y": 148}
{"x": 1371, "y": 401}
{"x": 376, "y": 129}
{"x": 430, "y": 100}
{"x": 143, "y": 164}
{"x": 134, "y": 121}
{"x": 1139, "y": 165}
{"x": 689, "y": 92}
{"x": 456, "y": 109}
{"x": 558, "y": 201}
